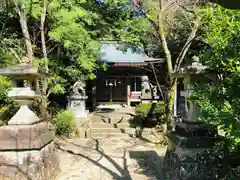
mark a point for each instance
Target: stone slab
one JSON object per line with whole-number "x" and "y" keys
{"x": 23, "y": 131}
{"x": 41, "y": 171}
{"x": 188, "y": 128}
{"x": 37, "y": 165}
{"x": 21, "y": 144}
{"x": 22, "y": 157}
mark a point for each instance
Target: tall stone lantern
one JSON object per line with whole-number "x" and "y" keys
{"x": 191, "y": 138}
{"x": 26, "y": 143}
{"x": 191, "y": 74}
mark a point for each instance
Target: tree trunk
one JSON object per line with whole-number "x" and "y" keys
{"x": 44, "y": 100}
{"x": 169, "y": 100}
{"x": 44, "y": 49}
{"x": 23, "y": 22}
{"x": 160, "y": 31}
{"x": 169, "y": 103}
{"x": 42, "y": 29}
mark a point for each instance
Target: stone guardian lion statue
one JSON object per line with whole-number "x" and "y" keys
{"x": 78, "y": 88}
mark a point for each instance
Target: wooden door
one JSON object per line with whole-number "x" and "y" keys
{"x": 119, "y": 91}
{"x": 112, "y": 89}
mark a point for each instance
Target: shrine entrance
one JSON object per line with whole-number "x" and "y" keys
{"x": 113, "y": 89}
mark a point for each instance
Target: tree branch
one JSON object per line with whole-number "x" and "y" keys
{"x": 164, "y": 41}
{"x": 57, "y": 45}
{"x": 186, "y": 46}
{"x": 12, "y": 51}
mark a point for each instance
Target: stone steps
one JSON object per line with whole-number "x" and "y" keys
{"x": 110, "y": 125}
{"x": 108, "y": 132}
{"x": 111, "y": 121}
{"x": 113, "y": 130}
{"x": 109, "y": 135}
{"x": 115, "y": 117}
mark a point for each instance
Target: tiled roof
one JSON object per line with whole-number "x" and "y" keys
{"x": 111, "y": 54}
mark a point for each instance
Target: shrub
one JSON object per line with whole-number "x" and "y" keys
{"x": 64, "y": 123}
{"x": 142, "y": 113}
{"x": 7, "y": 107}
{"x": 145, "y": 108}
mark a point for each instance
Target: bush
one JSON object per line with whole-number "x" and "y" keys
{"x": 64, "y": 123}
{"x": 147, "y": 119}
{"x": 145, "y": 108}
{"x": 7, "y": 107}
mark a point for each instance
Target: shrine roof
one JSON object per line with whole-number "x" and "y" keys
{"x": 111, "y": 53}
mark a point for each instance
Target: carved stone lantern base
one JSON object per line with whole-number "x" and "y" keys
{"x": 187, "y": 149}
{"x": 27, "y": 150}
{"x": 37, "y": 164}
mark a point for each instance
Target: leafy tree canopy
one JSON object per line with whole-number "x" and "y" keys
{"x": 73, "y": 30}
{"x": 220, "y": 101}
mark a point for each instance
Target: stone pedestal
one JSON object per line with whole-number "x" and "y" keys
{"x": 77, "y": 104}
{"x": 27, "y": 149}
{"x": 188, "y": 145}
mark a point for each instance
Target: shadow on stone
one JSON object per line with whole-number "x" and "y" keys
{"x": 148, "y": 164}
{"x": 123, "y": 171}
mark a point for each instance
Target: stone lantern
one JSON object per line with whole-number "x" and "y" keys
{"x": 26, "y": 143}
{"x": 191, "y": 74}
{"x": 191, "y": 138}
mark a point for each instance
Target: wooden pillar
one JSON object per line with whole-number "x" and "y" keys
{"x": 128, "y": 91}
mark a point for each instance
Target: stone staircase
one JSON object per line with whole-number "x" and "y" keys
{"x": 112, "y": 123}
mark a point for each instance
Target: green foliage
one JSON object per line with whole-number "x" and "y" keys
{"x": 73, "y": 31}
{"x": 144, "y": 108}
{"x": 7, "y": 106}
{"x": 64, "y": 123}
{"x": 220, "y": 100}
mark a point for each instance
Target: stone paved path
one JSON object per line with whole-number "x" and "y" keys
{"x": 109, "y": 158}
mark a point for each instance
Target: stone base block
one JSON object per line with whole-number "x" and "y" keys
{"x": 20, "y": 137}
{"x": 188, "y": 128}
{"x": 33, "y": 164}
{"x": 189, "y": 158}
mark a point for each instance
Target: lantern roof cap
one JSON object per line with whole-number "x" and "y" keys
{"x": 22, "y": 69}
{"x": 196, "y": 67}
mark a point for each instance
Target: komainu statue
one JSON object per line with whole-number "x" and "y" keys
{"x": 78, "y": 88}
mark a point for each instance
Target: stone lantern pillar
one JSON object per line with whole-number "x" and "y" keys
{"x": 26, "y": 143}
{"x": 191, "y": 138}
{"x": 190, "y": 74}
